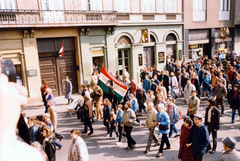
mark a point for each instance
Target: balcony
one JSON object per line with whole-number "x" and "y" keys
{"x": 56, "y": 18}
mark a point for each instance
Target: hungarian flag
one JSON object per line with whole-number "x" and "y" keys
{"x": 118, "y": 87}
{"x": 61, "y": 51}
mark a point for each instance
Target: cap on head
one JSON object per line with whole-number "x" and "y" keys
{"x": 199, "y": 116}
{"x": 229, "y": 141}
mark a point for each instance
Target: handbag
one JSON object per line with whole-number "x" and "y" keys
{"x": 163, "y": 127}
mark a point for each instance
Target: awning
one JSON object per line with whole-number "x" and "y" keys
{"x": 193, "y": 42}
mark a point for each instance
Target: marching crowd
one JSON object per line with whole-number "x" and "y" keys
{"x": 211, "y": 79}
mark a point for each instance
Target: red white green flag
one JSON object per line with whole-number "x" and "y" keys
{"x": 61, "y": 51}
{"x": 119, "y": 88}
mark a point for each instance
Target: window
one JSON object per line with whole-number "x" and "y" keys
{"x": 148, "y": 6}
{"x": 52, "y": 5}
{"x": 224, "y": 10}
{"x": 96, "y": 4}
{"x": 85, "y": 4}
{"x": 199, "y": 10}
{"x": 7, "y": 4}
{"x": 171, "y": 6}
{"x": 122, "y": 5}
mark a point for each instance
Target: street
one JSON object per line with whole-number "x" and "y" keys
{"x": 100, "y": 148}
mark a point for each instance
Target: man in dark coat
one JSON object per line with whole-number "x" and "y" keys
{"x": 220, "y": 92}
{"x": 112, "y": 98}
{"x": 141, "y": 98}
{"x": 212, "y": 117}
{"x": 68, "y": 90}
{"x": 234, "y": 100}
{"x": 196, "y": 83}
{"x": 164, "y": 78}
{"x": 198, "y": 138}
{"x": 201, "y": 75}
{"x": 88, "y": 114}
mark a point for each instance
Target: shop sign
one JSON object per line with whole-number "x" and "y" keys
{"x": 161, "y": 57}
{"x": 32, "y": 73}
{"x": 140, "y": 61}
{"x": 193, "y": 46}
{"x": 97, "y": 51}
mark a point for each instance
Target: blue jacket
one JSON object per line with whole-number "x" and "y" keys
{"x": 33, "y": 133}
{"x": 198, "y": 65}
{"x": 173, "y": 115}
{"x": 206, "y": 82}
{"x": 106, "y": 112}
{"x": 146, "y": 85}
{"x": 135, "y": 105}
{"x": 163, "y": 118}
{"x": 119, "y": 117}
{"x": 199, "y": 138}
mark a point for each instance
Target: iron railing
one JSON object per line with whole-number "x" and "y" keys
{"x": 51, "y": 17}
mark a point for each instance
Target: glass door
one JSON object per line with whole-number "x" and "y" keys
{"x": 123, "y": 60}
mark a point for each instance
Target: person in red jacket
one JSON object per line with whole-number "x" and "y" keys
{"x": 43, "y": 92}
{"x": 133, "y": 87}
{"x": 185, "y": 153}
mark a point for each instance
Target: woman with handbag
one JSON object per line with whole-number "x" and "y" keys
{"x": 164, "y": 124}
{"x": 48, "y": 144}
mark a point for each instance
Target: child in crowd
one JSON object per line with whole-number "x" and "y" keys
{"x": 118, "y": 122}
{"x": 150, "y": 97}
{"x": 112, "y": 122}
{"x": 32, "y": 129}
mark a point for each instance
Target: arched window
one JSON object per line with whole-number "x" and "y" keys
{"x": 171, "y": 37}
{"x": 124, "y": 40}
{"x": 152, "y": 38}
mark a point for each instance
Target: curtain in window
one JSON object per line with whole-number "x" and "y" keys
{"x": 171, "y": 6}
{"x": 8, "y": 4}
{"x": 85, "y": 4}
{"x": 96, "y": 4}
{"x": 148, "y": 6}
{"x": 52, "y": 5}
{"x": 122, "y": 5}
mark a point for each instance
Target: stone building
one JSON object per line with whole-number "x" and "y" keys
{"x": 118, "y": 34}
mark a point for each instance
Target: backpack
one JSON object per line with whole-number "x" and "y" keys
{"x": 180, "y": 113}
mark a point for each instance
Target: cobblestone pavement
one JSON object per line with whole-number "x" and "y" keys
{"x": 100, "y": 148}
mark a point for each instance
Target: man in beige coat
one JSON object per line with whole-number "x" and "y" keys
{"x": 193, "y": 105}
{"x": 78, "y": 149}
{"x": 151, "y": 123}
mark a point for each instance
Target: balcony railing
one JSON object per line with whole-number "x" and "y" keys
{"x": 56, "y": 18}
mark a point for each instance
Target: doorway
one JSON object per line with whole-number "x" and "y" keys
{"x": 54, "y": 68}
{"x": 148, "y": 57}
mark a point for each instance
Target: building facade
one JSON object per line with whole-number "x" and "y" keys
{"x": 204, "y": 20}
{"x": 116, "y": 34}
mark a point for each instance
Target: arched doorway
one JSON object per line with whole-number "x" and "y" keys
{"x": 170, "y": 48}
{"x": 148, "y": 54}
{"x": 123, "y": 54}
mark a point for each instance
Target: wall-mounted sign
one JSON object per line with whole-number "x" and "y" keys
{"x": 193, "y": 46}
{"x": 140, "y": 61}
{"x": 97, "y": 51}
{"x": 32, "y": 73}
{"x": 161, "y": 57}
{"x": 180, "y": 54}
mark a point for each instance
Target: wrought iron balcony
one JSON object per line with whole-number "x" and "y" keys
{"x": 43, "y": 18}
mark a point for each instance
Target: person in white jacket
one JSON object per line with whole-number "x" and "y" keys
{"x": 78, "y": 149}
{"x": 173, "y": 83}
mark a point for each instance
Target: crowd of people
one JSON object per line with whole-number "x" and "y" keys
{"x": 211, "y": 79}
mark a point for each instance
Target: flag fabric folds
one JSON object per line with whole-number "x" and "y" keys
{"x": 118, "y": 87}
{"x": 61, "y": 51}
